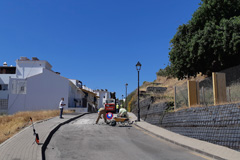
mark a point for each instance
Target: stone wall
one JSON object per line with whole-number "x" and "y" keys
{"x": 216, "y": 124}
{"x": 156, "y": 89}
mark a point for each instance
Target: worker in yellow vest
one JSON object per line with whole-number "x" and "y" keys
{"x": 117, "y": 108}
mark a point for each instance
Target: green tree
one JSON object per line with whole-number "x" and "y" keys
{"x": 209, "y": 42}
{"x": 166, "y": 72}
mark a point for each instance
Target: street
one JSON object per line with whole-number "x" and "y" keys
{"x": 82, "y": 139}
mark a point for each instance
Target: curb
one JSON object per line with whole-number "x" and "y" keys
{"x": 182, "y": 145}
{"x": 45, "y": 144}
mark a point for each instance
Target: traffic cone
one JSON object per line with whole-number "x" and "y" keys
{"x": 37, "y": 138}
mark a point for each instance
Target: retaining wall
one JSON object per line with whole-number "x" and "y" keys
{"x": 216, "y": 124}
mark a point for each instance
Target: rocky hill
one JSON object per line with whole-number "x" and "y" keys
{"x": 162, "y": 89}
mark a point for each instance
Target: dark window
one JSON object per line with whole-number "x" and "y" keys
{"x": 7, "y": 70}
{"x": 3, "y": 87}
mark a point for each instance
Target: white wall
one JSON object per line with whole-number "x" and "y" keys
{"x": 74, "y": 93}
{"x": 4, "y": 78}
{"x": 4, "y": 94}
{"x": 29, "y": 68}
{"x": 103, "y": 95}
{"x": 43, "y": 92}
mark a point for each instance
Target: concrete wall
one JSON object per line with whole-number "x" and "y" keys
{"x": 43, "y": 92}
{"x": 216, "y": 124}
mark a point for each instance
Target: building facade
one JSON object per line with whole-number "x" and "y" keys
{"x": 6, "y": 72}
{"x": 103, "y": 96}
{"x": 35, "y": 86}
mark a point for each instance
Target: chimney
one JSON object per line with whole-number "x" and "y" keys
{"x": 35, "y": 59}
{"x": 24, "y": 59}
{"x": 5, "y": 64}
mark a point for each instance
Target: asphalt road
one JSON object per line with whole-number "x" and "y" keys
{"x": 82, "y": 139}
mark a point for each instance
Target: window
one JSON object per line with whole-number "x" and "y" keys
{"x": 19, "y": 87}
{"x": 3, "y": 87}
{"x": 22, "y": 88}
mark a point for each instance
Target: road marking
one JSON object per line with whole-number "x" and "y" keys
{"x": 160, "y": 139}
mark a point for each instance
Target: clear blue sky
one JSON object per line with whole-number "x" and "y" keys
{"x": 96, "y": 41}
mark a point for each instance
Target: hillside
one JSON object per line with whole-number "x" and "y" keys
{"x": 162, "y": 89}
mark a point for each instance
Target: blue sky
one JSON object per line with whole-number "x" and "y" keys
{"x": 96, "y": 41}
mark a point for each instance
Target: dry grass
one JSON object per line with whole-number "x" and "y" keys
{"x": 11, "y": 124}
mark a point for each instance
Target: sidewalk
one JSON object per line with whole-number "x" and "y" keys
{"x": 22, "y": 146}
{"x": 203, "y": 147}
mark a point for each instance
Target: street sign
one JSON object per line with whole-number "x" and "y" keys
{"x": 109, "y": 115}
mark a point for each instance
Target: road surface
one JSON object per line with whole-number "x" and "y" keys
{"x": 82, "y": 139}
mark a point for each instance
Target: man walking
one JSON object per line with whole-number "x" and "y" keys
{"x": 61, "y": 105}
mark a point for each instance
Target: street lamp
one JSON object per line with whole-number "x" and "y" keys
{"x": 122, "y": 100}
{"x": 138, "y": 67}
{"x": 126, "y": 96}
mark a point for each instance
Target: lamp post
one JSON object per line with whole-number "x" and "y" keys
{"x": 126, "y": 96}
{"x": 138, "y": 67}
{"x": 122, "y": 100}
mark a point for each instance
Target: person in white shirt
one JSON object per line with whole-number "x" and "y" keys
{"x": 61, "y": 105}
{"x": 123, "y": 112}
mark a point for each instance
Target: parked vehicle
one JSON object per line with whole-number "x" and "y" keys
{"x": 110, "y": 105}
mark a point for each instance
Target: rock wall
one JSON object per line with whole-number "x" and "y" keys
{"x": 156, "y": 89}
{"x": 216, "y": 124}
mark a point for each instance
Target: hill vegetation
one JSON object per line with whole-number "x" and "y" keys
{"x": 208, "y": 43}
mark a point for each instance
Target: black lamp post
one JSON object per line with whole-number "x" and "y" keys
{"x": 138, "y": 66}
{"x": 122, "y": 100}
{"x": 126, "y": 96}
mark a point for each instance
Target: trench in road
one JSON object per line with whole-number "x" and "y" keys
{"x": 84, "y": 140}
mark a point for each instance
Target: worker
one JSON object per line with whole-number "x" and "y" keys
{"x": 117, "y": 108}
{"x": 123, "y": 112}
{"x": 101, "y": 112}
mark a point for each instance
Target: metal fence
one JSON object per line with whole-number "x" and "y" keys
{"x": 206, "y": 97}
{"x": 233, "y": 92}
{"x": 181, "y": 95}
{"x": 206, "y": 92}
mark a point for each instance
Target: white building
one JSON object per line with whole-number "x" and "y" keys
{"x": 6, "y": 72}
{"x": 103, "y": 96}
{"x": 87, "y": 102}
{"x": 34, "y": 86}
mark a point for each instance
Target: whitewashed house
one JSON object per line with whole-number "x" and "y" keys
{"x": 85, "y": 102}
{"x": 91, "y": 99}
{"x": 36, "y": 87}
{"x": 6, "y": 72}
{"x": 103, "y": 96}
